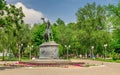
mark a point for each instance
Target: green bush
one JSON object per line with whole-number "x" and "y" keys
{"x": 115, "y": 56}
{"x": 60, "y": 50}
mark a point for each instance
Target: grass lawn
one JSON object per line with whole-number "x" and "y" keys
{"x": 14, "y": 59}
{"x": 107, "y": 60}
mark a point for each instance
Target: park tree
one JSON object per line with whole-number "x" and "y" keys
{"x": 38, "y": 32}
{"x": 114, "y": 13}
{"x": 3, "y": 36}
{"x": 37, "y": 36}
{"x": 14, "y": 23}
{"x": 74, "y": 40}
{"x": 60, "y": 22}
{"x": 13, "y": 29}
{"x": 62, "y": 35}
{"x": 91, "y": 21}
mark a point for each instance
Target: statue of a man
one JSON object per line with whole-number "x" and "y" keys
{"x": 48, "y": 25}
{"x": 48, "y": 31}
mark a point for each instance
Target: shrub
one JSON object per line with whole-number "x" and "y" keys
{"x": 115, "y": 56}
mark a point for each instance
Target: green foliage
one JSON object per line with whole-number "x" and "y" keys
{"x": 91, "y": 20}
{"x": 37, "y": 38}
{"x": 60, "y": 22}
{"x": 2, "y": 12}
{"x": 2, "y": 4}
{"x": 115, "y": 21}
{"x": 60, "y": 51}
{"x": 13, "y": 31}
{"x": 38, "y": 32}
{"x": 115, "y": 56}
{"x": 107, "y": 60}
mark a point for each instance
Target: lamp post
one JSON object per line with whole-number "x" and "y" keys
{"x": 67, "y": 47}
{"x": 92, "y": 55}
{"x": 30, "y": 50}
{"x": 19, "y": 47}
{"x": 105, "y": 45}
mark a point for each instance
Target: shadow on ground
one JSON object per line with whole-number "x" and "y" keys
{"x": 7, "y": 67}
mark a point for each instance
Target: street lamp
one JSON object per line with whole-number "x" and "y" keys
{"x": 30, "y": 50}
{"x": 19, "y": 46}
{"x": 92, "y": 55}
{"x": 67, "y": 50}
{"x": 105, "y": 45}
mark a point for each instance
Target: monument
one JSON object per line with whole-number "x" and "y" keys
{"x": 49, "y": 49}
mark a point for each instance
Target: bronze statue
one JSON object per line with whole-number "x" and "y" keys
{"x": 48, "y": 31}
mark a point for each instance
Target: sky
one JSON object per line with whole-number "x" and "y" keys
{"x": 54, "y": 9}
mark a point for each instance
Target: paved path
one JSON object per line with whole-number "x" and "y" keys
{"x": 106, "y": 69}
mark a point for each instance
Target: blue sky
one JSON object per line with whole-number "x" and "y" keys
{"x": 64, "y": 9}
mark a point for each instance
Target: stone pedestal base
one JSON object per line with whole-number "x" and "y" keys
{"x": 49, "y": 50}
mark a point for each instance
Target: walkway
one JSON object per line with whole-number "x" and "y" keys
{"x": 103, "y": 68}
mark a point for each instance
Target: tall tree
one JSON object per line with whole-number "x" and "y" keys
{"x": 114, "y": 12}
{"x": 38, "y": 32}
{"x": 91, "y": 20}
{"x": 2, "y": 25}
{"x": 11, "y": 21}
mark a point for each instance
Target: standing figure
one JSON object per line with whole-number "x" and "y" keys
{"x": 48, "y": 31}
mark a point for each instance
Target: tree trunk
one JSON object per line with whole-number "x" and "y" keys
{"x": 3, "y": 58}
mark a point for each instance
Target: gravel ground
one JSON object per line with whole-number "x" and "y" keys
{"x": 102, "y": 68}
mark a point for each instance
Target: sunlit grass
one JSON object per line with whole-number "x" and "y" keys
{"x": 107, "y": 60}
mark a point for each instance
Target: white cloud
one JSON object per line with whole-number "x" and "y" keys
{"x": 31, "y": 16}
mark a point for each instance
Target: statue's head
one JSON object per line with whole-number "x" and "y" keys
{"x": 42, "y": 18}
